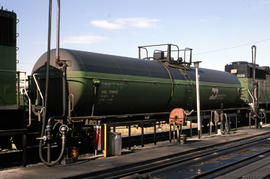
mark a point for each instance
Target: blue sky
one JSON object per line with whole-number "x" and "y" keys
{"x": 219, "y": 31}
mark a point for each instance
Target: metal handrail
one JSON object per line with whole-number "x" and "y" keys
{"x": 140, "y": 52}
{"x": 29, "y": 100}
{"x": 24, "y": 92}
{"x": 40, "y": 93}
{"x": 158, "y": 45}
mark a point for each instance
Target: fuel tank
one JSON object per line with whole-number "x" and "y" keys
{"x": 102, "y": 84}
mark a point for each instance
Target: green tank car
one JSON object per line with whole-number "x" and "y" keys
{"x": 105, "y": 84}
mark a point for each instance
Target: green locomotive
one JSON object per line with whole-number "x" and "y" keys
{"x": 244, "y": 73}
{"x": 11, "y": 112}
{"x": 8, "y": 71}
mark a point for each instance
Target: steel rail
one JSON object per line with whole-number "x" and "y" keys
{"x": 167, "y": 161}
{"x": 233, "y": 166}
{"x": 180, "y": 160}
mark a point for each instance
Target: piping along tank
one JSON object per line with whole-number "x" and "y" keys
{"x": 102, "y": 84}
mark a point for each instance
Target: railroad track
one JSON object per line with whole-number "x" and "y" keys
{"x": 218, "y": 163}
{"x": 207, "y": 162}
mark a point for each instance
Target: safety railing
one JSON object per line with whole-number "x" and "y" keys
{"x": 172, "y": 53}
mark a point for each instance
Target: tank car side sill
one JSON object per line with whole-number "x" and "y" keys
{"x": 118, "y": 116}
{"x": 122, "y": 116}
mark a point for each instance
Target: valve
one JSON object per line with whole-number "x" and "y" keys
{"x": 44, "y": 138}
{"x": 63, "y": 129}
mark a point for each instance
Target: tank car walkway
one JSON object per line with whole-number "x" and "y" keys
{"x": 139, "y": 155}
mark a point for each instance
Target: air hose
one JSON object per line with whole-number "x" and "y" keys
{"x": 51, "y": 163}
{"x": 62, "y": 129}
